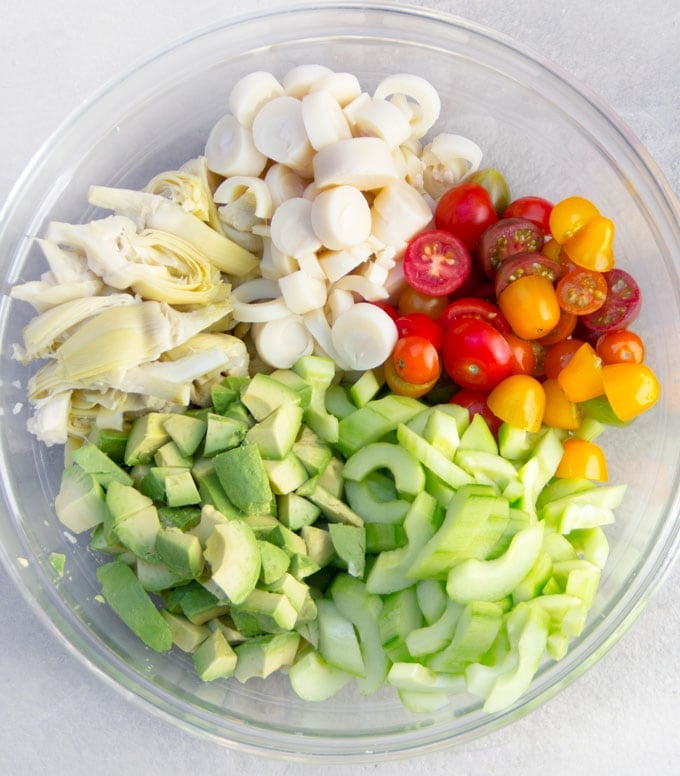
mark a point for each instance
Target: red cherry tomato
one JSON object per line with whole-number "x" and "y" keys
{"x": 412, "y": 301}
{"x": 420, "y": 325}
{"x": 476, "y": 354}
{"x": 535, "y": 209}
{"x": 581, "y": 291}
{"x": 465, "y": 210}
{"x": 475, "y": 403}
{"x": 390, "y": 309}
{"x": 523, "y": 355}
{"x": 621, "y": 307}
{"x": 416, "y": 360}
{"x": 436, "y": 262}
{"x": 506, "y": 238}
{"x": 620, "y": 347}
{"x": 565, "y": 328}
{"x": 471, "y": 307}
{"x": 559, "y": 355}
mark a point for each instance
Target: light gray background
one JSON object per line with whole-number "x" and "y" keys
{"x": 623, "y": 716}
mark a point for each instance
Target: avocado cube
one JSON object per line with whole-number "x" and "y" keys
{"x": 349, "y": 542}
{"x": 263, "y": 655}
{"x": 186, "y": 432}
{"x": 185, "y": 634}
{"x": 199, "y": 605}
{"x": 244, "y": 479}
{"x": 234, "y": 558}
{"x": 296, "y": 511}
{"x": 169, "y": 454}
{"x": 92, "y": 460}
{"x": 263, "y": 395}
{"x": 318, "y": 544}
{"x": 285, "y": 474}
{"x": 276, "y": 434}
{"x": 222, "y": 397}
{"x": 181, "y": 490}
{"x": 111, "y": 441}
{"x": 274, "y": 561}
{"x": 184, "y": 518}
{"x": 156, "y": 576}
{"x": 180, "y": 551}
{"x": 80, "y": 504}
{"x": 214, "y": 658}
{"x": 222, "y": 433}
{"x": 147, "y": 434}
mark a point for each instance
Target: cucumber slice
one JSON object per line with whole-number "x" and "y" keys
{"x": 313, "y": 679}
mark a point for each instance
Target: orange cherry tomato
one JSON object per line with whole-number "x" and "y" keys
{"x": 631, "y": 388}
{"x": 581, "y": 291}
{"x": 558, "y": 355}
{"x": 582, "y": 460}
{"x": 620, "y": 347}
{"x": 520, "y": 401}
{"x": 530, "y": 306}
{"x": 569, "y": 215}
{"x": 581, "y": 377}
{"x": 559, "y": 411}
{"x": 523, "y": 353}
{"x": 403, "y": 388}
{"x": 412, "y": 301}
{"x": 565, "y": 328}
{"x": 416, "y": 360}
{"x": 592, "y": 246}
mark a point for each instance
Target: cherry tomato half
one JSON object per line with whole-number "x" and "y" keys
{"x": 506, "y": 238}
{"x": 569, "y": 215}
{"x": 475, "y": 403}
{"x": 465, "y": 210}
{"x": 526, "y": 264}
{"x": 620, "y": 347}
{"x": 470, "y": 307}
{"x": 412, "y": 301}
{"x": 436, "y": 262}
{"x": 582, "y": 460}
{"x": 535, "y": 209}
{"x": 530, "y": 305}
{"x": 621, "y": 307}
{"x": 592, "y": 246}
{"x": 630, "y": 388}
{"x": 476, "y": 355}
{"x": 558, "y": 356}
{"x": 520, "y": 401}
{"x": 403, "y": 388}
{"x": 420, "y": 325}
{"x": 416, "y": 360}
{"x": 582, "y": 291}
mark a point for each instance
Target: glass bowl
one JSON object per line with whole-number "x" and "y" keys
{"x": 549, "y": 136}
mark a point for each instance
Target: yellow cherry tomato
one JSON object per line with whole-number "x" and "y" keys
{"x": 631, "y": 388}
{"x": 530, "y": 306}
{"x": 592, "y": 246}
{"x": 559, "y": 412}
{"x": 582, "y": 460}
{"x": 569, "y": 215}
{"x": 581, "y": 377}
{"x": 520, "y": 401}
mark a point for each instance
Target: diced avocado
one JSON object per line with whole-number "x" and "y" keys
{"x": 172, "y": 596}
{"x": 105, "y": 541}
{"x": 276, "y": 434}
{"x": 349, "y": 542}
{"x": 222, "y": 397}
{"x": 153, "y": 483}
{"x": 384, "y": 536}
{"x": 318, "y": 372}
{"x": 338, "y": 642}
{"x": 181, "y": 490}
{"x": 262, "y": 525}
{"x": 199, "y": 605}
{"x": 408, "y": 474}
{"x": 222, "y": 433}
{"x": 263, "y": 655}
{"x": 58, "y": 562}
{"x": 293, "y": 381}
{"x": 313, "y": 453}
{"x": 246, "y": 623}
{"x": 147, "y": 434}
{"x": 331, "y": 479}
{"x": 302, "y": 565}
{"x": 138, "y": 532}
{"x": 313, "y": 679}
{"x": 184, "y": 518}
{"x": 111, "y": 441}
{"x": 90, "y": 458}
{"x": 214, "y": 658}
{"x": 375, "y": 499}
{"x": 244, "y": 479}
{"x": 229, "y": 630}
{"x": 491, "y": 580}
{"x": 186, "y": 432}
{"x": 180, "y": 551}
{"x": 212, "y": 493}
{"x": 124, "y": 500}
{"x": 263, "y": 395}
{"x": 80, "y": 504}
{"x": 234, "y": 558}
{"x": 169, "y": 454}
{"x": 185, "y": 634}
{"x": 202, "y": 466}
{"x": 295, "y": 511}
{"x": 367, "y": 386}
{"x": 286, "y": 474}
{"x": 294, "y": 590}
{"x": 332, "y": 507}
{"x": 273, "y": 611}
{"x": 126, "y": 596}
{"x": 287, "y": 540}
{"x": 156, "y": 576}
{"x": 274, "y": 561}
{"x": 318, "y": 544}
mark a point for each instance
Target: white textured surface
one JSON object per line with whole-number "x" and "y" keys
{"x": 55, "y": 716}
